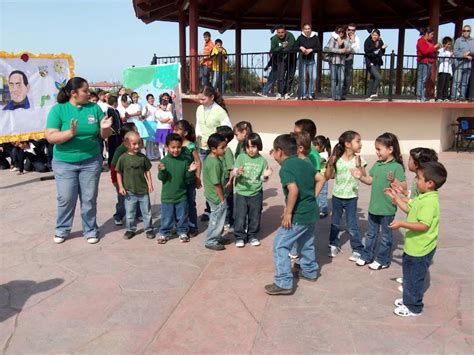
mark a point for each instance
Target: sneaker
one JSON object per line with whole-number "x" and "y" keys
{"x": 239, "y": 243}
{"x": 403, "y": 311}
{"x": 150, "y": 235}
{"x": 255, "y": 242}
{"x": 399, "y": 280}
{"x": 354, "y": 256}
{"x": 162, "y": 239}
{"x": 311, "y": 279}
{"x": 274, "y": 290}
{"x": 278, "y": 96}
{"x": 323, "y": 214}
{"x": 205, "y": 217}
{"x": 375, "y": 265}
{"x": 216, "y": 247}
{"x": 128, "y": 235}
{"x": 287, "y": 96}
{"x": 118, "y": 222}
{"x": 333, "y": 251}
{"x": 373, "y": 97}
{"x": 184, "y": 238}
{"x": 293, "y": 257}
{"x": 398, "y": 302}
{"x": 311, "y": 97}
{"x": 361, "y": 262}
{"x": 93, "y": 240}
{"x": 261, "y": 94}
{"x": 59, "y": 240}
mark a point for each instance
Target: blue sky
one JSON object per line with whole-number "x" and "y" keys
{"x": 104, "y": 36}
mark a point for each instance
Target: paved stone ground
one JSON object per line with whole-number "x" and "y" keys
{"x": 121, "y": 297}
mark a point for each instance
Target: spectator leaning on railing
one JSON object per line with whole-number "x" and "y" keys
{"x": 281, "y": 45}
{"x": 463, "y": 51}
{"x": 308, "y": 44}
{"x": 445, "y": 69}
{"x": 355, "y": 45}
{"x": 426, "y": 57}
{"x": 206, "y": 62}
{"x": 374, "y": 49}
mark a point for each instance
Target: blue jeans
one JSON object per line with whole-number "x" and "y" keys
{"x": 203, "y": 153}
{"x": 120, "y": 207}
{"x": 323, "y": 199}
{"x": 221, "y": 89}
{"x": 338, "y": 207}
{"x": 415, "y": 269}
{"x": 282, "y": 245}
{"x": 460, "y": 77}
{"x": 75, "y": 180}
{"x": 192, "y": 211}
{"x": 375, "y": 79}
{"x": 384, "y": 256}
{"x": 131, "y": 202}
{"x": 423, "y": 72}
{"x": 216, "y": 222}
{"x": 337, "y": 81}
{"x": 204, "y": 75}
{"x": 171, "y": 213}
{"x": 272, "y": 77}
{"x": 307, "y": 71}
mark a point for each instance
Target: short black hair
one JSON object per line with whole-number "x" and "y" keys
{"x": 93, "y": 94}
{"x": 127, "y": 127}
{"x": 447, "y": 40}
{"x": 307, "y": 125}
{"x": 286, "y": 143}
{"x": 303, "y": 139}
{"x": 112, "y": 100}
{"x": 434, "y": 171}
{"x": 422, "y": 155}
{"x": 218, "y": 41}
{"x": 125, "y": 98}
{"x": 226, "y": 132}
{"x": 173, "y": 137}
{"x": 148, "y": 96}
{"x": 207, "y": 33}
{"x": 25, "y": 78}
{"x": 255, "y": 139}
{"x": 280, "y": 27}
{"x": 214, "y": 140}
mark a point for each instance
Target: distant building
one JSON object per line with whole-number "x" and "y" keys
{"x": 104, "y": 85}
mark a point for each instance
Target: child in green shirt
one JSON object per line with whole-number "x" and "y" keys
{"x": 228, "y": 161}
{"x": 422, "y": 227}
{"x": 250, "y": 170}
{"x": 307, "y": 125}
{"x": 176, "y": 174}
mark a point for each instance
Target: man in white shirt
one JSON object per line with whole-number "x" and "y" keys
{"x": 355, "y": 45}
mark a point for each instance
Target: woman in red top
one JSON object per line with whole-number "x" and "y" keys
{"x": 426, "y": 56}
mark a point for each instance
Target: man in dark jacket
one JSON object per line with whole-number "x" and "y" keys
{"x": 282, "y": 44}
{"x": 308, "y": 44}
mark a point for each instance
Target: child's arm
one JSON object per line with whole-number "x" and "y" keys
{"x": 220, "y": 192}
{"x": 320, "y": 180}
{"x": 149, "y": 180}
{"x": 413, "y": 226}
{"x": 330, "y": 174}
{"x": 197, "y": 160}
{"x": 189, "y": 174}
{"x": 290, "y": 205}
{"x": 267, "y": 173}
{"x": 120, "y": 184}
{"x": 400, "y": 185}
{"x": 162, "y": 173}
{"x": 358, "y": 173}
{"x": 230, "y": 183}
{"x": 397, "y": 200}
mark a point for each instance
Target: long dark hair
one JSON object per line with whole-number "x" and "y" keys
{"x": 188, "y": 127}
{"x": 423, "y": 155}
{"x": 390, "y": 140}
{"x": 75, "y": 84}
{"x": 323, "y": 142}
{"x": 243, "y": 125}
{"x": 340, "y": 147}
{"x": 209, "y": 91}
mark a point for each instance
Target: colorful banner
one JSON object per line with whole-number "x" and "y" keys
{"x": 156, "y": 80}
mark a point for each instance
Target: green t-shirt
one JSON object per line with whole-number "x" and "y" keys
{"x": 424, "y": 209}
{"x": 315, "y": 159}
{"x": 133, "y": 169}
{"x": 381, "y": 204}
{"x": 238, "y": 149}
{"x": 250, "y": 183}
{"x": 298, "y": 171}
{"x": 175, "y": 178}
{"x": 345, "y": 185}
{"x": 121, "y": 149}
{"x": 85, "y": 144}
{"x": 228, "y": 163}
{"x": 213, "y": 174}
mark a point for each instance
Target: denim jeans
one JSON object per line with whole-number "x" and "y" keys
{"x": 203, "y": 153}
{"x": 131, "y": 202}
{"x": 323, "y": 199}
{"x": 171, "y": 213}
{"x": 75, "y": 180}
{"x": 192, "y": 211}
{"x": 460, "y": 78}
{"x": 216, "y": 222}
{"x": 204, "y": 75}
{"x": 347, "y": 77}
{"x": 272, "y": 77}
{"x": 247, "y": 209}
{"x": 423, "y": 72}
{"x": 282, "y": 245}
{"x": 307, "y": 71}
{"x": 337, "y": 81}
{"x": 375, "y": 79}
{"x": 120, "y": 207}
{"x": 415, "y": 269}
{"x": 375, "y": 223}
{"x": 221, "y": 89}
{"x": 338, "y": 207}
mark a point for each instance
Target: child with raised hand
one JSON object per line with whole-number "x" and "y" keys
{"x": 381, "y": 210}
{"x": 241, "y": 130}
{"x": 301, "y": 184}
{"x": 228, "y": 162}
{"x": 164, "y": 119}
{"x": 250, "y": 170}
{"x": 176, "y": 173}
{"x": 190, "y": 153}
{"x": 345, "y": 194}
{"x": 323, "y": 147}
{"x": 135, "y": 183}
{"x": 422, "y": 227}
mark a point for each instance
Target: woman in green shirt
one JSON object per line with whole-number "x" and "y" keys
{"x": 73, "y": 126}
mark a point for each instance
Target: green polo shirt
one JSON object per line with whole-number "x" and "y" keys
{"x": 381, "y": 204}
{"x": 85, "y": 144}
{"x": 213, "y": 174}
{"x": 133, "y": 169}
{"x": 228, "y": 163}
{"x": 315, "y": 158}
{"x": 424, "y": 209}
{"x": 175, "y": 178}
{"x": 250, "y": 182}
{"x": 298, "y": 171}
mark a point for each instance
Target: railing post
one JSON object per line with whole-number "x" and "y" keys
{"x": 390, "y": 76}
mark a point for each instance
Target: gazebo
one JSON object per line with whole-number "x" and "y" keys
{"x": 324, "y": 15}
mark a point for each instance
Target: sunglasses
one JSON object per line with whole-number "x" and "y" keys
{"x": 466, "y": 30}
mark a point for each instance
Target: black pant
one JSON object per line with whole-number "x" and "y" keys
{"x": 248, "y": 211}
{"x": 443, "y": 86}
{"x": 229, "y": 218}
{"x": 347, "y": 77}
{"x": 286, "y": 69}
{"x": 4, "y": 154}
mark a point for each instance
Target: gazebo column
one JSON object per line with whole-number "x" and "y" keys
{"x": 306, "y": 15}
{"x": 400, "y": 54}
{"x": 458, "y": 22}
{"x": 238, "y": 53}
{"x": 434, "y": 24}
{"x": 182, "y": 48}
{"x": 193, "y": 44}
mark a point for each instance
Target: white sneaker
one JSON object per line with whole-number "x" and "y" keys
{"x": 255, "y": 242}
{"x": 93, "y": 240}
{"x": 333, "y": 251}
{"x": 261, "y": 94}
{"x": 399, "y": 280}
{"x": 58, "y": 240}
{"x": 354, "y": 256}
{"x": 403, "y": 311}
{"x": 361, "y": 262}
{"x": 287, "y": 96}
{"x": 278, "y": 96}
{"x": 118, "y": 222}
{"x": 374, "y": 96}
{"x": 375, "y": 265}
{"x": 398, "y": 302}
{"x": 239, "y": 243}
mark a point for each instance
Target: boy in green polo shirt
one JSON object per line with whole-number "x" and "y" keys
{"x": 228, "y": 161}
{"x": 176, "y": 173}
{"x": 422, "y": 227}
{"x": 301, "y": 185}
{"x": 213, "y": 172}
{"x": 308, "y": 126}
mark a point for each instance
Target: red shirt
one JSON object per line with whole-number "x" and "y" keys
{"x": 207, "y": 61}
{"x": 425, "y": 51}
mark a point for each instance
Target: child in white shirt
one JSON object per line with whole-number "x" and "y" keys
{"x": 164, "y": 119}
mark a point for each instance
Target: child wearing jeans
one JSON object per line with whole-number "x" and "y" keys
{"x": 251, "y": 170}
{"x": 214, "y": 190}
{"x": 228, "y": 162}
{"x": 135, "y": 183}
{"x": 323, "y": 147}
{"x": 175, "y": 173}
{"x": 381, "y": 210}
{"x": 422, "y": 227}
{"x": 301, "y": 185}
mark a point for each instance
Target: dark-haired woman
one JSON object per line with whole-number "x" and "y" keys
{"x": 426, "y": 57}
{"x": 73, "y": 126}
{"x": 374, "y": 49}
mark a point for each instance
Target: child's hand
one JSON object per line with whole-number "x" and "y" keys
{"x": 358, "y": 161}
{"x": 106, "y": 122}
{"x": 395, "y": 225}
{"x": 389, "y": 192}
{"x": 161, "y": 166}
{"x": 356, "y": 173}
{"x": 73, "y": 127}
{"x": 286, "y": 220}
{"x": 395, "y": 185}
{"x": 332, "y": 160}
{"x": 122, "y": 191}
{"x": 192, "y": 167}
{"x": 268, "y": 171}
{"x": 240, "y": 171}
{"x": 198, "y": 183}
{"x": 390, "y": 176}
